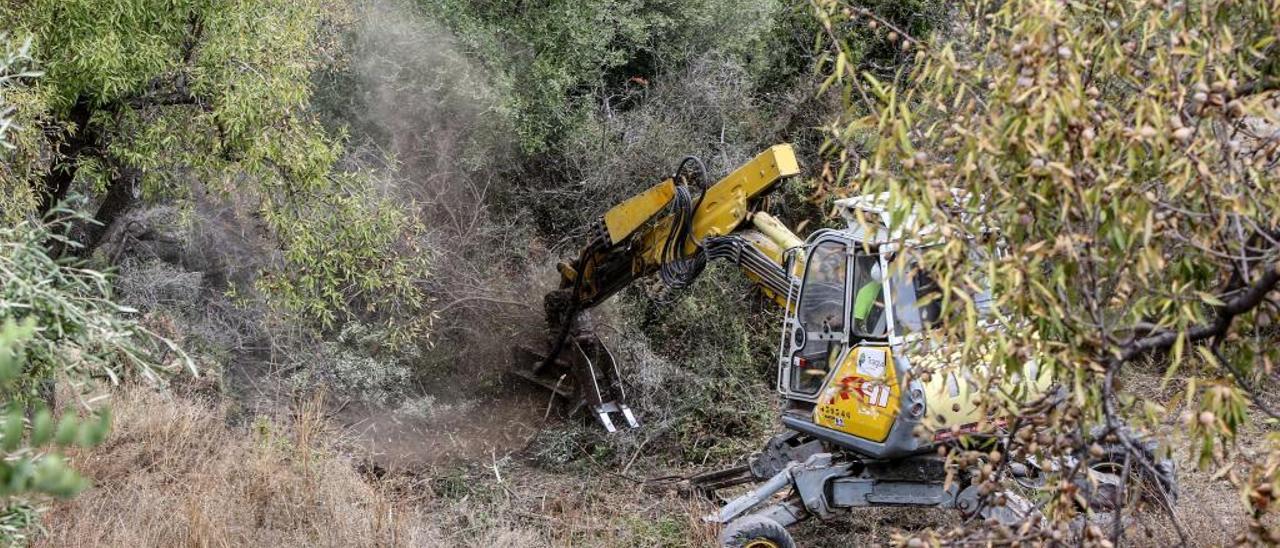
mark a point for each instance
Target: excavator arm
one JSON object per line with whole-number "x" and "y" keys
{"x": 635, "y": 239}
{"x": 672, "y": 230}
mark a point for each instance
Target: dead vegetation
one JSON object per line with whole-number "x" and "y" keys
{"x": 175, "y": 473}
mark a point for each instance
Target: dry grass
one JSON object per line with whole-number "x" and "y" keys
{"x": 1210, "y": 509}
{"x": 173, "y": 474}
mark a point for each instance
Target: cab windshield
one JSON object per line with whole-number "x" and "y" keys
{"x": 917, "y": 301}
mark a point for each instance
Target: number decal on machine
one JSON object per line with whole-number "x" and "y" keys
{"x": 878, "y": 395}
{"x": 872, "y": 392}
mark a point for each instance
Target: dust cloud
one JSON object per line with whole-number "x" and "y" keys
{"x": 425, "y": 115}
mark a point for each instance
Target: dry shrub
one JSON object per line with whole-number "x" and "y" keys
{"x": 174, "y": 474}
{"x": 707, "y": 110}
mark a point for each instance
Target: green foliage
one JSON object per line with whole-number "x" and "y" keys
{"x": 19, "y": 523}
{"x": 194, "y": 94}
{"x": 12, "y": 71}
{"x": 716, "y": 395}
{"x": 1125, "y": 153}
{"x": 883, "y": 26}
{"x": 15, "y": 198}
{"x": 12, "y": 338}
{"x": 706, "y": 109}
{"x": 57, "y": 324}
{"x": 554, "y": 59}
{"x": 53, "y": 317}
{"x": 56, "y": 320}
{"x": 354, "y": 255}
{"x": 99, "y": 59}
{"x": 80, "y": 332}
{"x": 364, "y": 363}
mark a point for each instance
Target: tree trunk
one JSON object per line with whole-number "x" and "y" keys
{"x": 119, "y": 200}
{"x": 58, "y": 181}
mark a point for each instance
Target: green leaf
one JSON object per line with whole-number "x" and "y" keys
{"x": 94, "y": 432}
{"x": 41, "y": 427}
{"x": 1179, "y": 345}
{"x": 12, "y": 430}
{"x": 1210, "y": 299}
{"x": 68, "y": 429}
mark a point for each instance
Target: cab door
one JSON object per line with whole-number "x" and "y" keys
{"x": 815, "y": 333}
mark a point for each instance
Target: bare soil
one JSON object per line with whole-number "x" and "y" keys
{"x": 453, "y": 432}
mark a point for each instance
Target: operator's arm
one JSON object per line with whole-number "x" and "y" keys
{"x": 865, "y": 300}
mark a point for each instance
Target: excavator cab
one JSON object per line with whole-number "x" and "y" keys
{"x": 861, "y": 430}
{"x": 848, "y": 340}
{"x": 841, "y": 301}
{"x": 845, "y": 350}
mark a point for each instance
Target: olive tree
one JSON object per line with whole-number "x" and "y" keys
{"x": 1108, "y": 170}
{"x": 147, "y": 100}
{"x": 23, "y": 466}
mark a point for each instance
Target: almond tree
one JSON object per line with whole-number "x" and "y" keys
{"x": 1109, "y": 170}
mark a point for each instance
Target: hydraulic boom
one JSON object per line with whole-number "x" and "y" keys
{"x": 671, "y": 229}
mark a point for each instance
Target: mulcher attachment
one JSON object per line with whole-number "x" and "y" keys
{"x": 584, "y": 372}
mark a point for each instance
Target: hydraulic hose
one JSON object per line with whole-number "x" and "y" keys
{"x": 676, "y": 271}
{"x": 571, "y": 312}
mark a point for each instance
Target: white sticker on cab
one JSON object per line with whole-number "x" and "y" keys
{"x": 871, "y": 363}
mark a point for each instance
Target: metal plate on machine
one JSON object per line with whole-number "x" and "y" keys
{"x": 855, "y": 492}
{"x": 626, "y": 217}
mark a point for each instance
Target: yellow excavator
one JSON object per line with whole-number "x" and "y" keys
{"x": 859, "y": 429}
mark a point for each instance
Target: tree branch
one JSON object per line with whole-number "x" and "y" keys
{"x": 1261, "y": 85}
{"x": 1245, "y": 384}
{"x": 1250, "y": 298}
{"x": 177, "y": 97}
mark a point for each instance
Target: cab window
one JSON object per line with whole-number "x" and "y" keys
{"x": 917, "y": 301}
{"x": 821, "y": 311}
{"x": 870, "y": 320}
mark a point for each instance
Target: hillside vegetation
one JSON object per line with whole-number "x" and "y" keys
{"x": 264, "y": 261}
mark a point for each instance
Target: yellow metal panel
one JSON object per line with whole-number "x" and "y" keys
{"x": 862, "y": 398}
{"x": 773, "y": 228}
{"x": 627, "y": 216}
{"x": 724, "y": 206}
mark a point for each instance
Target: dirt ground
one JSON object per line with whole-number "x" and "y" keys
{"x": 184, "y": 471}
